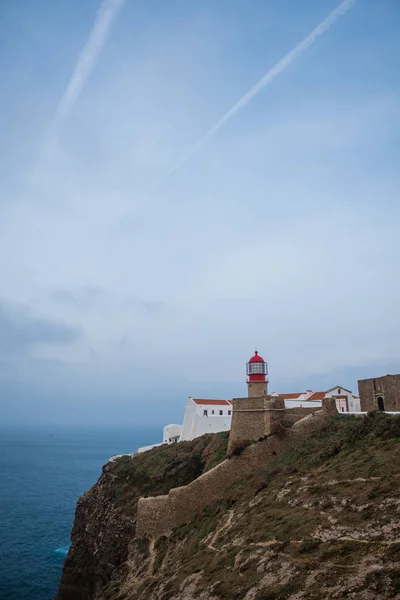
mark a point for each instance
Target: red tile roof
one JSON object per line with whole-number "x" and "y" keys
{"x": 291, "y": 396}
{"x": 317, "y": 396}
{"x": 205, "y": 402}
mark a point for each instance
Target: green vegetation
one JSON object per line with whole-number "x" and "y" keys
{"x": 238, "y": 446}
{"x": 319, "y": 520}
{"x": 156, "y": 471}
{"x": 335, "y": 478}
{"x": 358, "y": 443}
{"x": 161, "y": 547}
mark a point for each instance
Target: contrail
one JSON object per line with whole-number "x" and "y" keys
{"x": 268, "y": 77}
{"x": 86, "y": 62}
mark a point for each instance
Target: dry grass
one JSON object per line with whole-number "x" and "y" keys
{"x": 157, "y": 471}
{"x": 329, "y": 485}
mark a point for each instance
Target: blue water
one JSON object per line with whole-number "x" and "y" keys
{"x": 42, "y": 474}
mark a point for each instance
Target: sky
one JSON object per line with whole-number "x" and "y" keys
{"x": 140, "y": 267}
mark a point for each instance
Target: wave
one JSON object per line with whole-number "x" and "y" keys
{"x": 63, "y": 550}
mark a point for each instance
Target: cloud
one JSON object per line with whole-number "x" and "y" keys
{"x": 284, "y": 233}
{"x": 83, "y": 299}
{"x": 20, "y": 330}
{"x": 96, "y": 298}
{"x": 151, "y": 307}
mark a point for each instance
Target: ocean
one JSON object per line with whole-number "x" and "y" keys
{"x": 43, "y": 471}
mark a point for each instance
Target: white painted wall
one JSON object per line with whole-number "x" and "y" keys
{"x": 299, "y": 401}
{"x": 201, "y": 425}
{"x": 188, "y": 420}
{"x": 352, "y": 403}
{"x": 172, "y": 433}
{"x": 196, "y": 423}
{"x": 213, "y": 410}
{"x": 303, "y": 404}
{"x": 145, "y": 448}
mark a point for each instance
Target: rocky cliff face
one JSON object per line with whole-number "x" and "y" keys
{"x": 320, "y": 521}
{"x": 105, "y": 517}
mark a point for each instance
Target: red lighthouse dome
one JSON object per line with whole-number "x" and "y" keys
{"x": 257, "y": 368}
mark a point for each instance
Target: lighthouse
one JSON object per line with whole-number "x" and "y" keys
{"x": 257, "y": 371}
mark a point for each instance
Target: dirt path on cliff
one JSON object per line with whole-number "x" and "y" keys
{"x": 152, "y": 556}
{"x": 219, "y": 530}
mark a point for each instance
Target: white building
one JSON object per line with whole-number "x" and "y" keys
{"x": 172, "y": 433}
{"x": 345, "y": 401}
{"x": 308, "y": 399}
{"x": 201, "y": 416}
{"x": 212, "y": 416}
{"x": 205, "y": 416}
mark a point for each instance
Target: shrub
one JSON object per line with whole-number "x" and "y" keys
{"x": 309, "y": 545}
{"x": 161, "y": 548}
{"x": 237, "y": 447}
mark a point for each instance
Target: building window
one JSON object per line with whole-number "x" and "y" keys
{"x": 205, "y": 413}
{"x": 229, "y": 412}
{"x": 339, "y": 391}
{"x": 221, "y": 412}
{"x": 212, "y": 412}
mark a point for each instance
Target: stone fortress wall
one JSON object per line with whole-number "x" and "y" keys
{"x": 158, "y": 515}
{"x": 380, "y": 393}
{"x": 253, "y": 417}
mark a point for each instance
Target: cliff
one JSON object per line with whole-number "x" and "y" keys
{"x": 318, "y": 519}
{"x": 105, "y": 517}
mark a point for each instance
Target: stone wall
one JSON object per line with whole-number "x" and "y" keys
{"x": 253, "y": 418}
{"x": 159, "y": 515}
{"x": 250, "y": 420}
{"x": 329, "y": 406}
{"x": 386, "y": 388}
{"x": 257, "y": 388}
{"x": 295, "y": 414}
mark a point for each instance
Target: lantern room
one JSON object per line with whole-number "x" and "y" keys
{"x": 257, "y": 371}
{"x": 257, "y": 368}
